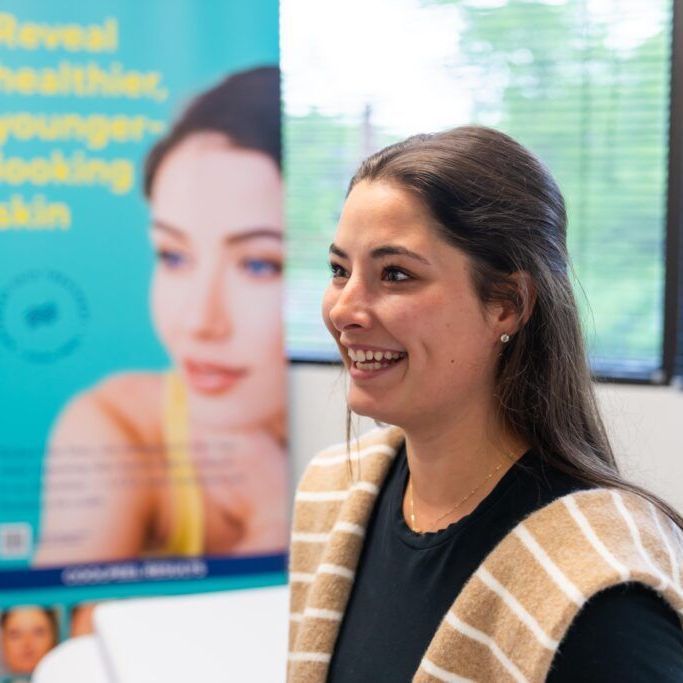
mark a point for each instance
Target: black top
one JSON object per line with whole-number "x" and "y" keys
{"x": 406, "y": 582}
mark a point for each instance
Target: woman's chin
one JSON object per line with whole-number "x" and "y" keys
{"x": 371, "y": 409}
{"x": 220, "y": 413}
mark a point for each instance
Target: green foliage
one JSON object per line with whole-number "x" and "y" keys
{"x": 595, "y": 111}
{"x": 597, "y": 115}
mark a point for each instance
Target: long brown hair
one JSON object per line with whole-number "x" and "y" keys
{"x": 499, "y": 204}
{"x": 244, "y": 107}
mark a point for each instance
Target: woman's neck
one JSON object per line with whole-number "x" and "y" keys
{"x": 275, "y": 426}
{"x": 456, "y": 464}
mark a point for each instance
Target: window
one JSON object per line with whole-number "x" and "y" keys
{"x": 583, "y": 83}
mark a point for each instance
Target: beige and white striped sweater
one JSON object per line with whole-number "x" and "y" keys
{"x": 510, "y": 617}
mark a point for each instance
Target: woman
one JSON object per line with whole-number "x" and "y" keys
{"x": 191, "y": 461}
{"x": 472, "y": 537}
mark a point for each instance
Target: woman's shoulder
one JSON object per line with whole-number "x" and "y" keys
{"x": 128, "y": 403}
{"x": 120, "y": 388}
{"x": 599, "y": 537}
{"x": 606, "y": 516}
{"x": 613, "y": 508}
{"x": 360, "y": 460}
{"x": 560, "y": 495}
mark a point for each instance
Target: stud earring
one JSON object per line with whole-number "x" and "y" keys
{"x": 505, "y": 338}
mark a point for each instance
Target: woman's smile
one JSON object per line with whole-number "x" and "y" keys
{"x": 365, "y": 362}
{"x": 211, "y": 378}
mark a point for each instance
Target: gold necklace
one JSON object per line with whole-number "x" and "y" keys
{"x": 462, "y": 501}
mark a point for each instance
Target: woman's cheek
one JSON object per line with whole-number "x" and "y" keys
{"x": 259, "y": 312}
{"x": 327, "y": 304}
{"x": 165, "y": 311}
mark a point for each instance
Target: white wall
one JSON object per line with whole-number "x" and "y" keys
{"x": 645, "y": 423}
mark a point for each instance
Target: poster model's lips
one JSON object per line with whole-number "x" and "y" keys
{"x": 208, "y": 378}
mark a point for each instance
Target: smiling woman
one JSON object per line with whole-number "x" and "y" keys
{"x": 191, "y": 461}
{"x": 487, "y": 534}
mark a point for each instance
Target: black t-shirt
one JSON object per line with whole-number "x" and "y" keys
{"x": 406, "y": 582}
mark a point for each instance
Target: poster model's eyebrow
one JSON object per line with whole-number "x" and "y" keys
{"x": 384, "y": 250}
{"x": 241, "y": 236}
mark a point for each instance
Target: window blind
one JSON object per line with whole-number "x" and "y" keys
{"x": 583, "y": 83}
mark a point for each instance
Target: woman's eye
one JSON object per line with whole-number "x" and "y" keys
{"x": 393, "y": 274}
{"x": 171, "y": 259}
{"x": 337, "y": 270}
{"x": 262, "y": 268}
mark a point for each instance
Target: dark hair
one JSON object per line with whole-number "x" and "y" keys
{"x": 245, "y": 107}
{"x": 50, "y": 614}
{"x": 498, "y": 203}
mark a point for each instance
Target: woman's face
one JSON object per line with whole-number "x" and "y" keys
{"x": 402, "y": 296}
{"x": 27, "y": 636}
{"x": 217, "y": 288}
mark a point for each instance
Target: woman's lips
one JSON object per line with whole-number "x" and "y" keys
{"x": 208, "y": 378}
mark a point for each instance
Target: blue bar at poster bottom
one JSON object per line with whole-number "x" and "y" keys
{"x": 142, "y": 571}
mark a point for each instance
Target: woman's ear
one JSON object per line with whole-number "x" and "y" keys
{"x": 516, "y": 303}
{"x": 526, "y": 294}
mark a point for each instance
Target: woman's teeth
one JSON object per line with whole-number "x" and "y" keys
{"x": 374, "y": 360}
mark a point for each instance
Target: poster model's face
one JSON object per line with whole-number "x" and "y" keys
{"x": 217, "y": 289}
{"x": 27, "y": 635}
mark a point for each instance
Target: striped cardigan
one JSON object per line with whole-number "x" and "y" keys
{"x": 507, "y": 622}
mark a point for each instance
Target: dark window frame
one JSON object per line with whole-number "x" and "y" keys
{"x": 672, "y": 351}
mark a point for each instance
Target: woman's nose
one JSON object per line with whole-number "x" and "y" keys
{"x": 208, "y": 308}
{"x": 350, "y": 306}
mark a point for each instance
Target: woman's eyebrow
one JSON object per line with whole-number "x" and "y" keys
{"x": 334, "y": 249}
{"x": 167, "y": 227}
{"x": 253, "y": 233}
{"x": 233, "y": 238}
{"x": 384, "y": 250}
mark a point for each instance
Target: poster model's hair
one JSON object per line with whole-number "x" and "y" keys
{"x": 244, "y": 107}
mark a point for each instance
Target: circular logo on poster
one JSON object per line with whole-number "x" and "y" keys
{"x": 42, "y": 315}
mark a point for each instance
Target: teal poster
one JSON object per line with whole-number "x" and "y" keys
{"x": 142, "y": 377}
